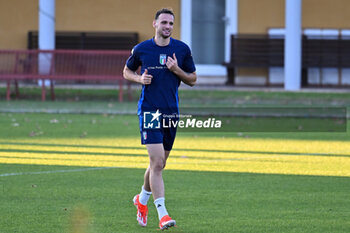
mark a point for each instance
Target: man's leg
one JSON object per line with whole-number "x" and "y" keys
{"x": 158, "y": 159}
{"x": 145, "y": 193}
{"x": 146, "y": 183}
{"x": 146, "y": 188}
{"x": 157, "y": 162}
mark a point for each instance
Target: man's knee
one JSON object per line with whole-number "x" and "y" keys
{"x": 157, "y": 156}
{"x": 157, "y": 164}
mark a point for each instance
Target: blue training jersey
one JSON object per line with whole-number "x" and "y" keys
{"x": 162, "y": 93}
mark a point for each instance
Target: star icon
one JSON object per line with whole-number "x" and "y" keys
{"x": 156, "y": 115}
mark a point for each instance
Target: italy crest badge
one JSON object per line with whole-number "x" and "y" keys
{"x": 162, "y": 59}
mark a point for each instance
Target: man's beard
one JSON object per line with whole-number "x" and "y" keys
{"x": 164, "y": 36}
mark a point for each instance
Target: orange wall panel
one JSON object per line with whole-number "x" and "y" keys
{"x": 256, "y": 16}
{"x": 113, "y": 15}
{"x": 326, "y": 14}
{"x": 17, "y": 17}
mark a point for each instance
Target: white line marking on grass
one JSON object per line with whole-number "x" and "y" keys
{"x": 56, "y": 171}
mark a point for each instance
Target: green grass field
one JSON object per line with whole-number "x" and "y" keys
{"x": 79, "y": 172}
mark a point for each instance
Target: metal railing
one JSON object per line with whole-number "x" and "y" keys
{"x": 62, "y": 65}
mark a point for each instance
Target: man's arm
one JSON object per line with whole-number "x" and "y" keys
{"x": 130, "y": 75}
{"x": 188, "y": 78}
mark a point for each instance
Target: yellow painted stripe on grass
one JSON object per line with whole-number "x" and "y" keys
{"x": 327, "y": 167}
{"x": 266, "y": 145}
{"x": 74, "y": 149}
{"x": 85, "y": 163}
{"x": 301, "y": 165}
{"x": 210, "y": 143}
{"x": 271, "y": 156}
{"x": 81, "y": 157}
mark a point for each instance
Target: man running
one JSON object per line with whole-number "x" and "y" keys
{"x": 165, "y": 63}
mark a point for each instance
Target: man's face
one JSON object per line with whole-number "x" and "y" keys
{"x": 164, "y": 25}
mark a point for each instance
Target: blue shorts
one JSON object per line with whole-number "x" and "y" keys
{"x": 154, "y": 136}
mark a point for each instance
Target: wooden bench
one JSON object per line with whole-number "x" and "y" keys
{"x": 325, "y": 53}
{"x": 254, "y": 51}
{"x": 262, "y": 51}
{"x": 62, "y": 65}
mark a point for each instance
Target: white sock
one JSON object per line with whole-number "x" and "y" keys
{"x": 160, "y": 205}
{"x": 144, "y": 196}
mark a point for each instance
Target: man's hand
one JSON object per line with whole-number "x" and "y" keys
{"x": 188, "y": 78}
{"x": 146, "y": 78}
{"x": 172, "y": 63}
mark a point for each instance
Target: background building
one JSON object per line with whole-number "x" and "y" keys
{"x": 205, "y": 25}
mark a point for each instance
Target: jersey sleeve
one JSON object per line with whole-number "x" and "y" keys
{"x": 133, "y": 61}
{"x": 188, "y": 65}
